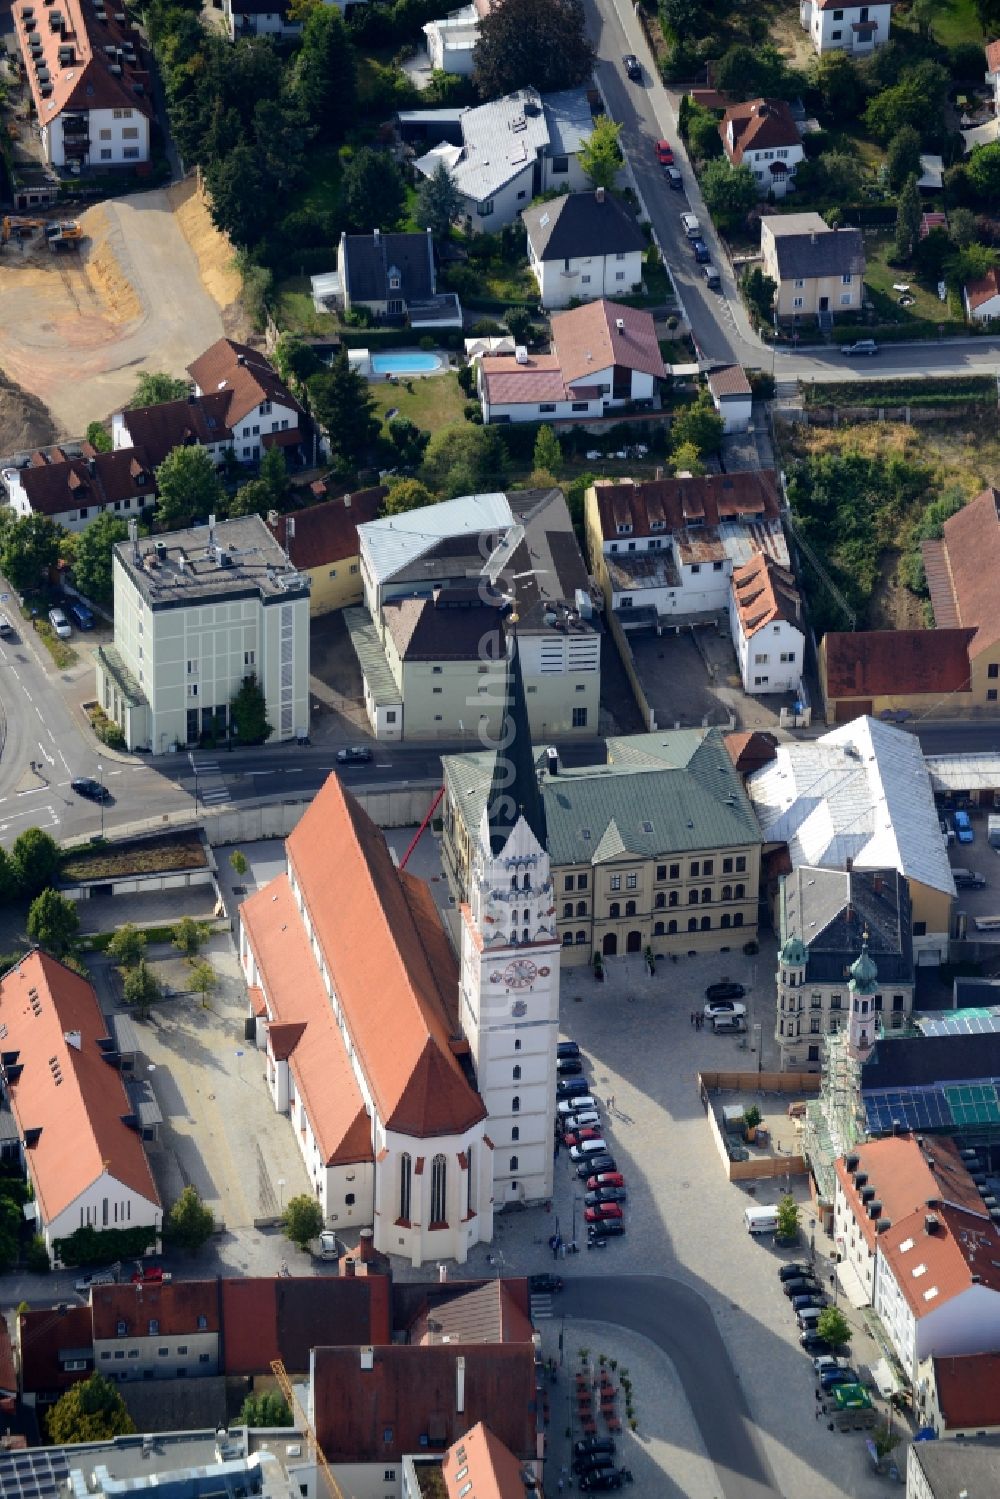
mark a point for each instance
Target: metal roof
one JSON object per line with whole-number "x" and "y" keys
{"x": 501, "y": 139}
{"x": 397, "y": 540}
{"x": 379, "y": 680}
{"x": 974, "y": 1021}
{"x": 860, "y": 792}
{"x": 964, "y": 772}
{"x": 569, "y": 119}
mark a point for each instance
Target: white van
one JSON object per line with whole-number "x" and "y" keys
{"x": 726, "y": 1024}
{"x": 690, "y": 225}
{"x": 761, "y": 1220}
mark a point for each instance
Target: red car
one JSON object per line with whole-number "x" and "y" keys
{"x": 577, "y": 1136}
{"x": 664, "y": 155}
{"x": 602, "y": 1212}
{"x": 150, "y": 1275}
{"x": 605, "y": 1179}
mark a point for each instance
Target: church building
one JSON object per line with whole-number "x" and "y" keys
{"x": 421, "y": 1093}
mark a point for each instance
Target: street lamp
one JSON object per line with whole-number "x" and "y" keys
{"x": 100, "y": 799}
{"x": 575, "y": 1202}
{"x": 281, "y": 1194}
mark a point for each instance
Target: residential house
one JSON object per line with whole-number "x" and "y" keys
{"x": 886, "y": 1182}
{"x": 259, "y": 18}
{"x": 825, "y": 918}
{"x": 582, "y": 246}
{"x": 76, "y": 1133}
{"x": 819, "y": 271}
{"x": 604, "y": 355}
{"x": 384, "y": 1053}
{"x": 993, "y": 72}
{"x": 960, "y": 1397}
{"x": 937, "y": 1470}
{"x": 393, "y": 277}
{"x": 511, "y": 150}
{"x": 765, "y": 618}
{"x": 762, "y": 134}
{"x": 322, "y": 542}
{"x": 732, "y": 397}
{"x": 198, "y": 613}
{"x": 430, "y": 640}
{"x": 239, "y": 405}
{"x": 73, "y": 492}
{"x": 656, "y": 845}
{"x": 451, "y": 41}
{"x": 960, "y": 570}
{"x": 480, "y": 1458}
{"x": 860, "y": 797}
{"x": 836, "y": 27}
{"x": 157, "y": 1332}
{"x": 664, "y": 551}
{"x": 89, "y": 80}
{"x": 887, "y": 673}
{"x": 982, "y": 297}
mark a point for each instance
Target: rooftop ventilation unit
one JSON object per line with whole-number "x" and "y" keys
{"x": 520, "y": 354}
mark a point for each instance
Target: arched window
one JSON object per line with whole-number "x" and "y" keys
{"x": 470, "y": 1196}
{"x": 741, "y": 891}
{"x": 525, "y": 936}
{"x": 737, "y": 918}
{"x": 405, "y": 1183}
{"x": 706, "y": 896}
{"x": 526, "y": 882}
{"x": 513, "y": 882}
{"x": 581, "y": 937}
{"x": 706, "y": 923}
{"x": 581, "y": 908}
{"x": 671, "y": 928}
{"x": 568, "y": 908}
{"x": 673, "y": 898}
{"x": 526, "y": 916}
{"x": 658, "y": 929}
{"x": 517, "y": 1072}
{"x": 661, "y": 901}
{"x": 727, "y": 892}
{"x": 630, "y": 908}
{"x": 439, "y": 1189}
{"x": 567, "y": 939}
{"x": 725, "y": 918}
{"x": 614, "y": 910}
{"x": 515, "y": 1133}
{"x": 515, "y": 1105}
{"x": 693, "y": 924}
{"x": 692, "y": 897}
{"x": 513, "y": 1163}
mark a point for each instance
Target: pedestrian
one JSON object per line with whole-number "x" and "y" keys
{"x": 692, "y": 1017}
{"x": 611, "y": 1104}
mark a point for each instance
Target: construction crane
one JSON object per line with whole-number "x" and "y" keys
{"x": 18, "y": 227}
{"x": 65, "y": 233}
{"x": 291, "y": 1400}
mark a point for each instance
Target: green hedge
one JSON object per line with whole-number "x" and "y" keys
{"x": 928, "y": 391}
{"x": 92, "y": 1246}
{"x": 893, "y": 333}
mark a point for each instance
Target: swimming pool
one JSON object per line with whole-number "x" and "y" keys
{"x": 406, "y": 362}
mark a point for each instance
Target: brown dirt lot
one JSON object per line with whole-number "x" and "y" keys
{"x": 212, "y": 249}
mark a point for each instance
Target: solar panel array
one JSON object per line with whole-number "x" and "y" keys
{"x": 38, "y": 1474}
{"x": 960, "y": 1022}
{"x": 954, "y": 1106}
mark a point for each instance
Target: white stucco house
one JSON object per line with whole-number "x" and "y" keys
{"x": 73, "y": 490}
{"x": 982, "y": 297}
{"x": 731, "y": 397}
{"x": 451, "y": 40}
{"x": 765, "y": 618}
{"x": 993, "y": 72}
{"x": 835, "y": 27}
{"x": 582, "y": 246}
{"x": 761, "y": 134}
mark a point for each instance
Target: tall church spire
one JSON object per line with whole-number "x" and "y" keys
{"x": 514, "y": 790}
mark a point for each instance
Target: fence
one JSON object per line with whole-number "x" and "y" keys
{"x": 763, "y": 1167}
{"x": 628, "y": 662}
{"x": 835, "y": 416}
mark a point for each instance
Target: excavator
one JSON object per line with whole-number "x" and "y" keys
{"x": 18, "y": 228}
{"x": 63, "y": 234}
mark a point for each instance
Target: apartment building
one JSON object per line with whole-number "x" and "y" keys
{"x": 198, "y": 613}
{"x": 72, "y": 491}
{"x": 658, "y": 844}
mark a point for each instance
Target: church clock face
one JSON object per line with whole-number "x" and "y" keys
{"x": 520, "y": 973}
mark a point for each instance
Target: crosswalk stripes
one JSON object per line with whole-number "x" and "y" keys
{"x": 212, "y": 789}
{"x": 541, "y": 1308}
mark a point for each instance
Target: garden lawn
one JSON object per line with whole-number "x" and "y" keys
{"x": 294, "y": 311}
{"x": 437, "y": 401}
{"x": 957, "y": 22}
{"x": 879, "y": 278}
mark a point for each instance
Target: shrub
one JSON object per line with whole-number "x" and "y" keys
{"x": 427, "y": 344}
{"x": 37, "y": 1257}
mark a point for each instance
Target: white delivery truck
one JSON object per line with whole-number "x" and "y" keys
{"x": 761, "y": 1220}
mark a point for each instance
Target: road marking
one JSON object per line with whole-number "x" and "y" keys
{"x": 114, "y": 772}
{"x": 293, "y": 770}
{"x": 28, "y": 696}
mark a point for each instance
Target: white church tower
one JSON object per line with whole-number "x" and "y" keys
{"x": 510, "y": 964}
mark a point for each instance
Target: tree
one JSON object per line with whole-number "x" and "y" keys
{"x": 189, "y": 489}
{"x": 91, "y": 1411}
{"x": 249, "y": 713}
{"x": 918, "y": 99}
{"x": 372, "y": 191}
{"x": 759, "y": 291}
{"x": 788, "y": 1218}
{"x": 834, "y": 1326}
{"x": 518, "y": 323}
{"x": 463, "y": 460}
{"x": 685, "y": 460}
{"x": 54, "y": 923}
{"x": 29, "y": 550}
{"x": 908, "y": 220}
{"x": 140, "y": 988}
{"x": 968, "y": 264}
{"x": 190, "y": 936}
{"x": 522, "y": 44}
{"x": 962, "y": 227}
{"x": 238, "y": 863}
{"x": 406, "y": 494}
{"x": 302, "y": 1220}
{"x": 294, "y": 359}
{"x": 9, "y": 884}
{"x": 324, "y": 75}
{"x": 127, "y": 945}
{"x": 703, "y": 136}
{"x": 153, "y": 387}
{"x": 439, "y": 202}
{"x": 343, "y": 405}
{"x": 408, "y": 440}
{"x": 274, "y": 473}
{"x": 983, "y": 173}
{"x": 729, "y": 192}
{"x": 601, "y": 156}
{"x": 698, "y": 424}
{"x": 36, "y": 859}
{"x": 240, "y": 201}
{"x": 98, "y": 437}
{"x": 252, "y": 498}
{"x": 204, "y": 980}
{"x": 269, "y": 1408}
{"x": 190, "y": 1224}
{"x": 92, "y": 567}
{"x": 548, "y": 451}
{"x": 753, "y": 73}
{"x": 839, "y": 85}
{"x": 835, "y": 174}
{"x": 902, "y": 157}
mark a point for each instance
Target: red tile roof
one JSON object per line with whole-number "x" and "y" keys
{"x": 929, "y": 221}
{"x": 74, "y": 483}
{"x": 302, "y": 1029}
{"x": 246, "y": 374}
{"x": 85, "y": 81}
{"x": 905, "y": 1180}
{"x": 398, "y": 989}
{"x": 40, "y": 1336}
{"x": 8, "y": 1374}
{"x": 69, "y": 1093}
{"x": 588, "y": 339}
{"x": 483, "y": 1460}
{"x": 983, "y": 289}
{"x": 877, "y": 663}
{"x": 179, "y": 424}
{"x": 758, "y": 125}
{"x": 486, "y": 1313}
{"x": 764, "y": 592}
{"x": 968, "y": 1388}
{"x": 676, "y": 503}
{"x": 750, "y": 749}
{"x": 993, "y": 57}
{"x": 512, "y": 383}
{"x": 407, "y": 1402}
{"x": 287, "y": 1316}
{"x": 932, "y": 1268}
{"x": 730, "y": 380}
{"x": 176, "y": 1307}
{"x": 971, "y": 544}
{"x": 328, "y": 532}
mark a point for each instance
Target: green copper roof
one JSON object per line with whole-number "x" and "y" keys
{"x": 793, "y": 952}
{"x": 864, "y": 974}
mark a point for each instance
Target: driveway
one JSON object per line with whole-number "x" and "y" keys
{"x": 77, "y": 329}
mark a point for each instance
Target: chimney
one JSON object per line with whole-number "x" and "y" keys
{"x": 211, "y": 529}
{"x": 366, "y": 1246}
{"x": 92, "y": 467}
{"x": 367, "y": 1357}
{"x": 620, "y": 324}
{"x": 812, "y": 236}
{"x": 930, "y": 1223}
{"x": 552, "y": 760}
{"x": 442, "y": 1274}
{"x": 347, "y": 498}
{"x": 877, "y": 884}
{"x": 349, "y": 1268}
{"x": 376, "y": 236}
{"x": 599, "y": 194}
{"x": 460, "y": 1384}
{"x": 289, "y": 530}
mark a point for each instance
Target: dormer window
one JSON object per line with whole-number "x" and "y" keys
{"x": 394, "y": 282}
{"x": 624, "y": 528}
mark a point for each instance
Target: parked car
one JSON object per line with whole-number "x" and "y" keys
{"x": 725, "y": 989}
{"x": 567, "y": 1049}
{"x": 800, "y": 1285}
{"x": 825, "y": 1364}
{"x": 831, "y": 1377}
{"x": 60, "y": 624}
{"x": 569, "y": 1066}
{"x": 712, "y": 278}
{"x": 357, "y": 754}
{"x": 813, "y": 1343}
{"x": 968, "y": 879}
{"x": 80, "y": 615}
{"x": 327, "y": 1247}
{"x": 701, "y": 252}
{"x": 963, "y": 827}
{"x": 608, "y": 1228}
{"x": 605, "y": 1179}
{"x": 603, "y": 1212}
{"x": 862, "y": 347}
{"x": 808, "y": 1317}
{"x": 593, "y": 1444}
{"x": 806, "y": 1299}
{"x": 794, "y": 1270}
{"x": 5, "y": 627}
{"x": 93, "y": 790}
{"x": 574, "y": 1137}
{"x": 603, "y": 1482}
{"x": 716, "y": 1009}
{"x": 588, "y": 1148}
{"x": 674, "y": 179}
{"x": 575, "y": 1104}
{"x": 544, "y": 1285}
{"x": 584, "y": 1120}
{"x": 664, "y": 155}
{"x": 690, "y": 225}
{"x": 572, "y": 1087}
{"x": 631, "y": 65}
{"x": 605, "y": 1194}
{"x": 593, "y": 1462}
{"x": 596, "y": 1167}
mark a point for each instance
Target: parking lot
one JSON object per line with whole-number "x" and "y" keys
{"x": 981, "y": 859}
{"x": 693, "y": 678}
